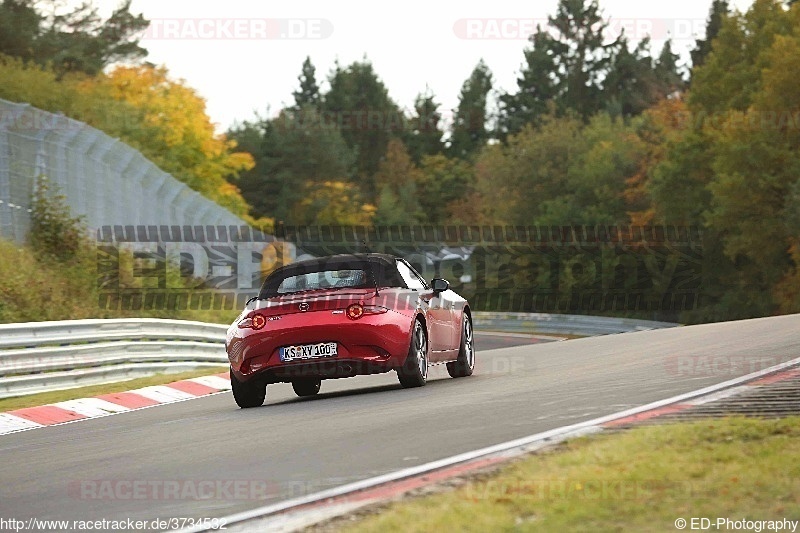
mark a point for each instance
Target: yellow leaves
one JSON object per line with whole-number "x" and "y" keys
{"x": 177, "y": 129}
{"x": 242, "y": 160}
{"x": 228, "y": 189}
{"x": 174, "y": 110}
{"x": 334, "y": 203}
{"x": 163, "y": 118}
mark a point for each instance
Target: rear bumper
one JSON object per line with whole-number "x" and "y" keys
{"x": 370, "y": 345}
{"x": 331, "y": 368}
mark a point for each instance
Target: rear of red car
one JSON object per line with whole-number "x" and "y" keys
{"x": 322, "y": 332}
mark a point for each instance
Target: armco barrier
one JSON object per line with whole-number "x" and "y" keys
{"x": 42, "y": 356}
{"x": 562, "y": 324}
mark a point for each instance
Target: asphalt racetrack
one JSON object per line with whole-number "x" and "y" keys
{"x": 206, "y": 458}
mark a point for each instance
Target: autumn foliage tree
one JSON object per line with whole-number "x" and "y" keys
{"x": 173, "y": 128}
{"x": 733, "y": 169}
{"x": 598, "y": 131}
{"x": 294, "y": 152}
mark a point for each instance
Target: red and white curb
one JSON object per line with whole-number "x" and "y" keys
{"x": 776, "y": 377}
{"x": 112, "y": 403}
{"x": 303, "y": 512}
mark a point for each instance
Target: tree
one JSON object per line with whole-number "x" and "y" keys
{"x": 20, "y": 25}
{"x": 55, "y": 234}
{"x": 396, "y": 179}
{"x": 524, "y": 179}
{"x": 358, "y": 104}
{"x": 731, "y": 74}
{"x": 172, "y": 126}
{"x": 756, "y": 178}
{"x": 667, "y": 73}
{"x": 630, "y": 86}
{"x": 567, "y": 63}
{"x": 656, "y": 131}
{"x": 733, "y": 168}
{"x": 424, "y": 135}
{"x": 333, "y": 203}
{"x": 76, "y": 41}
{"x": 537, "y": 85}
{"x": 635, "y": 82}
{"x": 293, "y": 151}
{"x": 442, "y": 184}
{"x": 562, "y": 172}
{"x": 719, "y": 10}
{"x": 598, "y": 174}
{"x": 469, "y": 132}
{"x": 581, "y": 54}
{"x": 308, "y": 93}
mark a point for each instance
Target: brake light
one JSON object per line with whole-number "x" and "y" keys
{"x": 356, "y": 311}
{"x": 253, "y": 321}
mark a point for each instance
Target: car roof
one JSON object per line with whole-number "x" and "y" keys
{"x": 340, "y": 261}
{"x": 382, "y": 269}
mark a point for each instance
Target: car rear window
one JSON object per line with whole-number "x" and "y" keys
{"x": 332, "y": 273}
{"x": 326, "y": 279}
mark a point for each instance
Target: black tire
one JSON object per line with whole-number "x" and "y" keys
{"x": 465, "y": 364}
{"x": 414, "y": 372}
{"x": 249, "y": 394}
{"x": 307, "y": 386}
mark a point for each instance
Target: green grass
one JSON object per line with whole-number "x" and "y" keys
{"x": 34, "y": 289}
{"x": 637, "y": 480}
{"x": 44, "y": 398}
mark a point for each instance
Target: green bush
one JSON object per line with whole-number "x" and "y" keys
{"x": 56, "y": 276}
{"x": 55, "y": 233}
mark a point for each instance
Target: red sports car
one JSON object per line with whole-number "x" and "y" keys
{"x": 346, "y": 315}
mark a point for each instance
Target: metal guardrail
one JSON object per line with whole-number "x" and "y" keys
{"x": 43, "y": 356}
{"x": 550, "y": 324}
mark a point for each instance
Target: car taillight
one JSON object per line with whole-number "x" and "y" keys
{"x": 356, "y": 311}
{"x": 253, "y": 321}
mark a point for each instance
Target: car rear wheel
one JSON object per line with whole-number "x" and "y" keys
{"x": 248, "y": 394}
{"x": 465, "y": 364}
{"x": 306, "y": 387}
{"x": 414, "y": 372}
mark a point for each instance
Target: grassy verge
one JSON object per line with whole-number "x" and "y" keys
{"x": 642, "y": 479}
{"x": 19, "y": 402}
{"x": 35, "y": 288}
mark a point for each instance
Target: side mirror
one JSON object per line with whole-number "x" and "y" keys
{"x": 439, "y": 285}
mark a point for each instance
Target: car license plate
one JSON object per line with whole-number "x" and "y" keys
{"x": 308, "y": 351}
